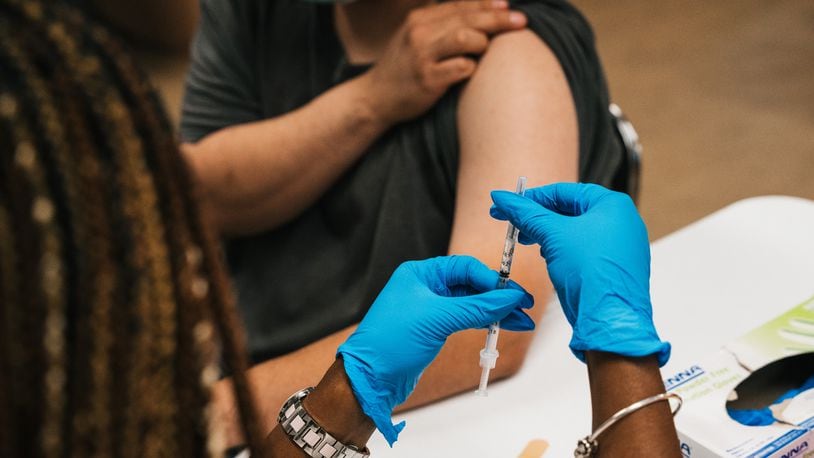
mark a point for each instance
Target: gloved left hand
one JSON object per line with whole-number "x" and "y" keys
{"x": 598, "y": 258}
{"x": 423, "y": 303}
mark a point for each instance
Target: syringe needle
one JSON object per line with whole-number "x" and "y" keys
{"x": 489, "y": 354}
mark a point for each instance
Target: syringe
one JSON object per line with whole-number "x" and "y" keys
{"x": 489, "y": 354}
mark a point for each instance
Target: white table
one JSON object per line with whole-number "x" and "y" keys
{"x": 711, "y": 281}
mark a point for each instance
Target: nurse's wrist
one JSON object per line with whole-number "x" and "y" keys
{"x": 335, "y": 408}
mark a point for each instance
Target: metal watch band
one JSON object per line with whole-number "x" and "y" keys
{"x": 309, "y": 435}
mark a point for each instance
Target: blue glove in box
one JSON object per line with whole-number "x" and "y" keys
{"x": 754, "y": 398}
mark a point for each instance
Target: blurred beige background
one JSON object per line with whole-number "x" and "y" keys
{"x": 722, "y": 94}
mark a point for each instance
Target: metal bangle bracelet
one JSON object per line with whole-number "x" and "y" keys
{"x": 587, "y": 446}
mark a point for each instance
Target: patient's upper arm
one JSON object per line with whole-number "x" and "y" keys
{"x": 515, "y": 117}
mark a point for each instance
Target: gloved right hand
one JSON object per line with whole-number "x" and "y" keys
{"x": 434, "y": 49}
{"x": 598, "y": 255}
{"x": 423, "y": 303}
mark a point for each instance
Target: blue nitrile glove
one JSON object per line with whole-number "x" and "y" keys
{"x": 423, "y": 303}
{"x": 598, "y": 255}
{"x": 765, "y": 416}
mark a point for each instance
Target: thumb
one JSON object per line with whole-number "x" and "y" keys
{"x": 517, "y": 320}
{"x": 480, "y": 310}
{"x": 533, "y": 220}
{"x": 570, "y": 199}
{"x": 467, "y": 271}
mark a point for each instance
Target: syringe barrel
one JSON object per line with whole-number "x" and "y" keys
{"x": 510, "y": 242}
{"x": 491, "y": 337}
{"x": 489, "y": 354}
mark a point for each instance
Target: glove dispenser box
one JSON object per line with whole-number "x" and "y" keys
{"x": 754, "y": 398}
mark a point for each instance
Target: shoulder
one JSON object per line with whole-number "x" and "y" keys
{"x": 518, "y": 53}
{"x": 557, "y": 37}
{"x": 518, "y": 108}
{"x": 516, "y": 74}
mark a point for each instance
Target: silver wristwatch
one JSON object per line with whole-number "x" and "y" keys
{"x": 309, "y": 435}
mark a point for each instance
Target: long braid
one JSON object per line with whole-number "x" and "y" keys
{"x": 94, "y": 276}
{"x": 185, "y": 198}
{"x": 15, "y": 303}
{"x": 114, "y": 212}
{"x": 6, "y": 265}
{"x": 82, "y": 426}
{"x": 180, "y": 188}
{"x": 49, "y": 273}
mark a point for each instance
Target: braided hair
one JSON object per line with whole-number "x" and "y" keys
{"x": 114, "y": 305}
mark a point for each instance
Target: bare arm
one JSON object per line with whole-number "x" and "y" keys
{"x": 334, "y": 407}
{"x": 262, "y": 174}
{"x": 515, "y": 117}
{"x": 617, "y": 382}
{"x": 275, "y": 380}
{"x": 259, "y": 175}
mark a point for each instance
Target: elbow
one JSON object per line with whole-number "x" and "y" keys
{"x": 233, "y": 197}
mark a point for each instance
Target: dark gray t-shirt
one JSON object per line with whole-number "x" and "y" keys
{"x": 257, "y": 59}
